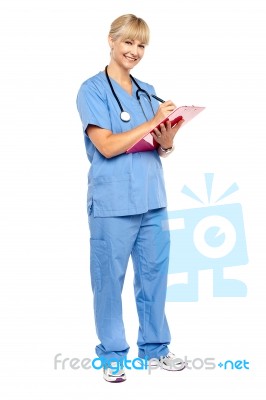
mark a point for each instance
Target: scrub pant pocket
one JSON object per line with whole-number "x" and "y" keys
{"x": 98, "y": 261}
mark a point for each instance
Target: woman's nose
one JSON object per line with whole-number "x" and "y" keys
{"x": 134, "y": 50}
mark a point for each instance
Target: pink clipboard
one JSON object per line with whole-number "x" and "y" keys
{"x": 148, "y": 143}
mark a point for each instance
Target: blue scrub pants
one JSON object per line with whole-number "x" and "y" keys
{"x": 113, "y": 240}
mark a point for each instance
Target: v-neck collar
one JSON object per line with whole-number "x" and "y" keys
{"x": 114, "y": 82}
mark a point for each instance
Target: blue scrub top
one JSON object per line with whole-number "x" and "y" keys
{"x": 126, "y": 184}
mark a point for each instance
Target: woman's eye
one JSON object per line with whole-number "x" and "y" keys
{"x": 128, "y": 42}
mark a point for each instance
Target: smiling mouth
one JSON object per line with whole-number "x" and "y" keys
{"x": 130, "y": 58}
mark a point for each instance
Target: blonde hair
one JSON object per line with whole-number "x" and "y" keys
{"x": 129, "y": 26}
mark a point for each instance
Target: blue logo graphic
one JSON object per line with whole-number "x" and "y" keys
{"x": 209, "y": 237}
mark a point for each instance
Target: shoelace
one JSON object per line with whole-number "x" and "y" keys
{"x": 171, "y": 356}
{"x": 110, "y": 370}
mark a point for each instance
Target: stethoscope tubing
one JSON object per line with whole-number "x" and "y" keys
{"x": 113, "y": 91}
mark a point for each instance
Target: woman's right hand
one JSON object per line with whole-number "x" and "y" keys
{"x": 163, "y": 111}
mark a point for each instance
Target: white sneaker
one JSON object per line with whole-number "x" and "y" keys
{"x": 169, "y": 362}
{"x": 114, "y": 373}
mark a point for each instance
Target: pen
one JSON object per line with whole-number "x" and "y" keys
{"x": 157, "y": 98}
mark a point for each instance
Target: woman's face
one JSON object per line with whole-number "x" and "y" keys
{"x": 126, "y": 53}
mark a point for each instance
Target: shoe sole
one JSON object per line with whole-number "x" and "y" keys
{"x": 173, "y": 369}
{"x": 170, "y": 368}
{"x": 117, "y": 380}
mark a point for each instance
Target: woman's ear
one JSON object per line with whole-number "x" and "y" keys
{"x": 111, "y": 42}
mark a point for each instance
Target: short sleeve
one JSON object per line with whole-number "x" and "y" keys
{"x": 92, "y": 106}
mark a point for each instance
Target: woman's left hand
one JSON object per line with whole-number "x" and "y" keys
{"x": 165, "y": 135}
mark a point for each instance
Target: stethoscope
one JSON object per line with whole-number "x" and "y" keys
{"x": 124, "y": 115}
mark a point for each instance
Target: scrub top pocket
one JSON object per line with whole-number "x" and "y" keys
{"x": 112, "y": 196}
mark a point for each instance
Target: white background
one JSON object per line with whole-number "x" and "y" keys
{"x": 202, "y": 52}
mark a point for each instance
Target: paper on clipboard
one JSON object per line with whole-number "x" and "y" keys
{"x": 148, "y": 143}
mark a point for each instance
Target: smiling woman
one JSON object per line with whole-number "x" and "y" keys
{"x": 126, "y": 199}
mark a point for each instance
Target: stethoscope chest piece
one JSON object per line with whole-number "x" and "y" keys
{"x": 125, "y": 116}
